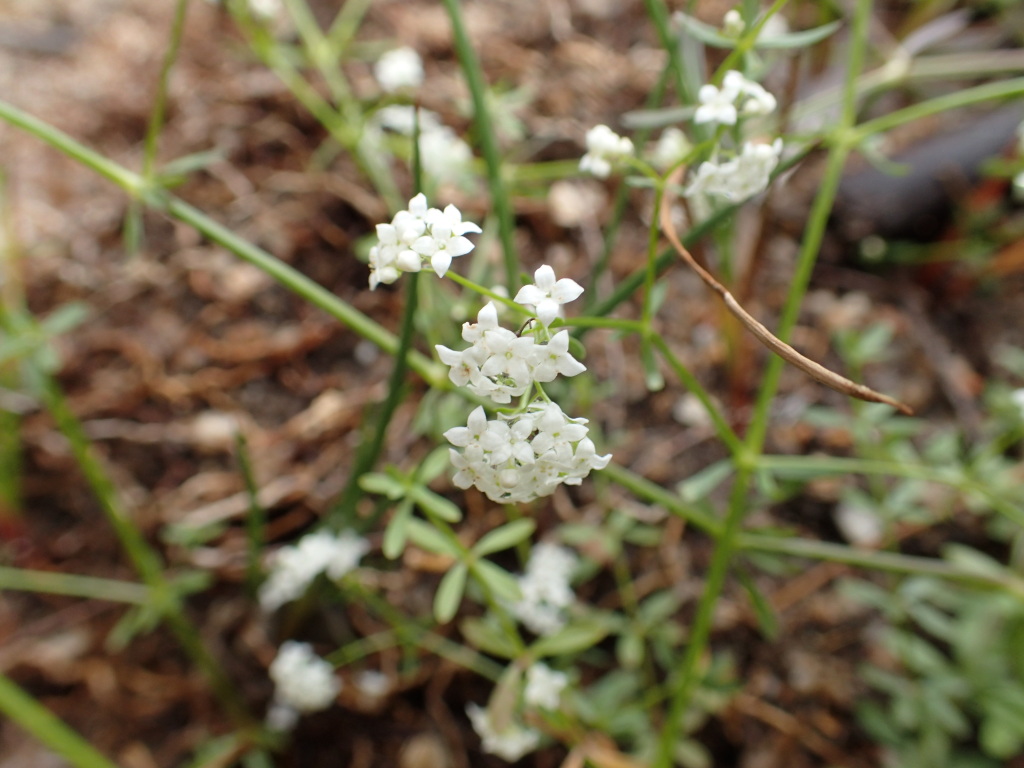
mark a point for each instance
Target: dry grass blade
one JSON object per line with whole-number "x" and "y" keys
{"x": 815, "y": 370}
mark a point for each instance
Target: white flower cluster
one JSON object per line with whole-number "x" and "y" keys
{"x": 303, "y": 683}
{"x": 293, "y": 568}
{"x": 510, "y": 743}
{"x": 501, "y": 365}
{"x": 520, "y": 457}
{"x": 546, "y": 589}
{"x": 604, "y": 149}
{"x": 445, "y": 156}
{"x": 416, "y": 237}
{"x": 399, "y": 68}
{"x": 745, "y": 175}
{"x": 544, "y": 686}
{"x": 737, "y": 96}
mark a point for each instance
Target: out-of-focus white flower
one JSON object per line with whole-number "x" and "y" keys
{"x": 401, "y": 118}
{"x": 544, "y": 686}
{"x": 1018, "y": 186}
{"x": 548, "y": 294}
{"x": 744, "y": 176}
{"x": 732, "y": 24}
{"x": 545, "y": 589}
{"x": 303, "y": 683}
{"x": 1017, "y": 396}
{"x": 445, "y": 156}
{"x": 510, "y": 744}
{"x": 604, "y": 149}
{"x": 399, "y": 68}
{"x": 672, "y": 147}
{"x": 266, "y": 9}
{"x": 738, "y": 95}
{"x": 293, "y": 568}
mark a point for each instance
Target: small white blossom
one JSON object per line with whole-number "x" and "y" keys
{"x": 604, "y": 149}
{"x": 293, "y": 568}
{"x": 738, "y": 95}
{"x": 399, "y": 68}
{"x": 1017, "y": 396}
{"x": 266, "y": 9}
{"x": 501, "y": 365}
{"x": 303, "y": 683}
{"x": 520, "y": 457}
{"x": 445, "y": 156}
{"x": 548, "y": 294}
{"x": 416, "y": 237}
{"x": 744, "y": 176}
{"x": 545, "y": 589}
{"x": 510, "y": 744}
{"x": 732, "y": 24}
{"x": 672, "y": 147}
{"x": 544, "y": 686}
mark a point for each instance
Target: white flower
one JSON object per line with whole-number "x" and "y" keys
{"x": 553, "y": 359}
{"x": 445, "y": 156}
{"x": 303, "y": 683}
{"x": 1017, "y": 396}
{"x": 544, "y": 686}
{"x": 604, "y": 149}
{"x": 744, "y": 176}
{"x": 400, "y": 68}
{"x": 266, "y": 9}
{"x": 510, "y": 744}
{"x": 417, "y": 236}
{"x": 548, "y": 294}
{"x": 520, "y": 457}
{"x": 732, "y": 24}
{"x": 738, "y": 95}
{"x": 545, "y": 589}
{"x": 717, "y": 105}
{"x": 672, "y": 147}
{"x": 293, "y": 568}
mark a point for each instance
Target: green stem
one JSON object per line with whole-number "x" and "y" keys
{"x": 723, "y": 430}
{"x": 685, "y": 679}
{"x": 879, "y": 561}
{"x": 654, "y": 493}
{"x": 488, "y": 139}
{"x": 72, "y": 585}
{"x": 287, "y": 276}
{"x": 49, "y": 729}
{"x": 133, "y": 220}
{"x": 145, "y": 559}
{"x": 980, "y": 93}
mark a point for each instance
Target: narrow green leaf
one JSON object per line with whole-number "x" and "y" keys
{"x": 572, "y": 639}
{"x": 433, "y": 465}
{"x": 384, "y": 485}
{"x": 505, "y": 537}
{"x": 712, "y": 36}
{"x": 397, "y": 532}
{"x": 767, "y": 620}
{"x": 429, "y": 538}
{"x": 449, "y": 593}
{"x": 698, "y": 486}
{"x": 436, "y": 505}
{"x": 488, "y": 637}
{"x": 499, "y": 581}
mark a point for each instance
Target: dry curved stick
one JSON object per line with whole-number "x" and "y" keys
{"x": 815, "y": 370}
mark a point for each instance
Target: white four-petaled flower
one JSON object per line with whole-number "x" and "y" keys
{"x": 548, "y": 294}
{"x": 604, "y": 149}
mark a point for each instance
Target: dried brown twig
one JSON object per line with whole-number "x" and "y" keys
{"x": 815, "y": 370}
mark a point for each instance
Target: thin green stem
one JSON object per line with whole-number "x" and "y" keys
{"x": 875, "y": 560}
{"x": 654, "y": 493}
{"x": 50, "y": 730}
{"x": 722, "y": 429}
{"x": 255, "y": 517}
{"x": 133, "y": 219}
{"x": 685, "y": 677}
{"x": 145, "y": 559}
{"x": 980, "y": 93}
{"x": 90, "y": 587}
{"x": 488, "y": 139}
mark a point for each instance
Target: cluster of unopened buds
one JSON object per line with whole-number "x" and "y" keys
{"x": 521, "y": 456}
